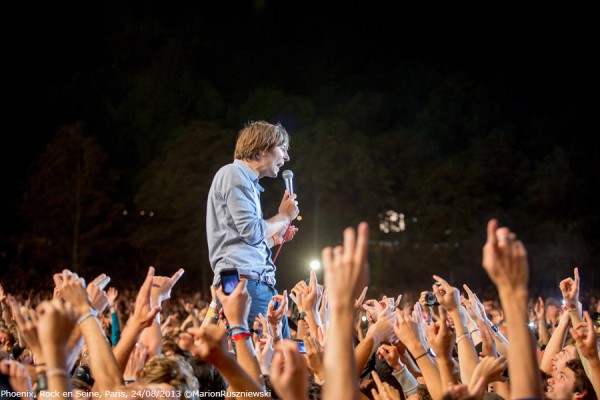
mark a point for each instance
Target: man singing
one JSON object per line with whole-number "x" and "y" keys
{"x": 238, "y": 236}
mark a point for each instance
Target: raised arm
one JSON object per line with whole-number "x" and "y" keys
{"x": 346, "y": 273}
{"x": 505, "y": 261}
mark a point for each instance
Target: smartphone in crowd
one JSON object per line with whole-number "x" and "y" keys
{"x": 301, "y": 347}
{"x": 229, "y": 280}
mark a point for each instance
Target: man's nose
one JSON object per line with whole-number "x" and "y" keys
{"x": 286, "y": 156}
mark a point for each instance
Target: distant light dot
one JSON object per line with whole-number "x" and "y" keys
{"x": 299, "y": 218}
{"x": 124, "y": 212}
{"x": 142, "y": 213}
{"x": 151, "y": 214}
{"x": 315, "y": 265}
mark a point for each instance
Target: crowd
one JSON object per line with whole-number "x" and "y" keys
{"x": 88, "y": 339}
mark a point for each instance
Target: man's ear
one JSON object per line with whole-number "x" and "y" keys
{"x": 579, "y": 395}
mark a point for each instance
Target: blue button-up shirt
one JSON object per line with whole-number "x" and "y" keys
{"x": 235, "y": 228}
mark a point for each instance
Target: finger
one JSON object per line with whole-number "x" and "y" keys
{"x": 576, "y": 275}
{"x": 173, "y": 280}
{"x": 469, "y": 292}
{"x": 441, "y": 280}
{"x": 147, "y": 285}
{"x": 492, "y": 225}
{"x": 361, "y": 298}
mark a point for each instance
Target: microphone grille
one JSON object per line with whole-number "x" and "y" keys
{"x": 287, "y": 174}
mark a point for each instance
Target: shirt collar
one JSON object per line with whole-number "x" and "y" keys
{"x": 250, "y": 174}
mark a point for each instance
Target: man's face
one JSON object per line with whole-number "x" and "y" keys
{"x": 559, "y": 360}
{"x": 560, "y": 386}
{"x": 272, "y": 161}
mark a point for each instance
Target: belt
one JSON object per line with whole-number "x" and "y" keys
{"x": 269, "y": 280}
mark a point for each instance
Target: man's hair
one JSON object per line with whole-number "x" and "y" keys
{"x": 582, "y": 383}
{"x": 259, "y": 136}
{"x": 173, "y": 370}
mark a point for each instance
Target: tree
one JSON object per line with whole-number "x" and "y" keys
{"x": 69, "y": 208}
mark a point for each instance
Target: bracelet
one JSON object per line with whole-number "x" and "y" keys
{"x": 461, "y": 337}
{"x": 573, "y": 309}
{"x": 474, "y": 330}
{"x": 239, "y": 336}
{"x": 93, "y": 313}
{"x": 39, "y": 365}
{"x": 428, "y": 352}
{"x": 57, "y": 372}
{"x": 240, "y": 326}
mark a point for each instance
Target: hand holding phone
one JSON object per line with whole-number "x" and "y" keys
{"x": 301, "y": 346}
{"x": 229, "y": 280}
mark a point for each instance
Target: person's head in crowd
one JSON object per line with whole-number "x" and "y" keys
{"x": 560, "y": 359}
{"x": 167, "y": 373}
{"x": 553, "y": 307}
{"x": 81, "y": 390}
{"x": 184, "y": 340}
{"x": 570, "y": 382}
{"x": 7, "y": 340}
{"x": 208, "y": 377}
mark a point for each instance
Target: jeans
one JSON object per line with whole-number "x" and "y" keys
{"x": 261, "y": 295}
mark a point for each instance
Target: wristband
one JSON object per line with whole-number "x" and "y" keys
{"x": 240, "y": 326}
{"x": 461, "y": 337}
{"x": 93, "y": 313}
{"x": 428, "y": 352}
{"x": 473, "y": 331}
{"x": 239, "y": 336}
{"x": 407, "y": 381}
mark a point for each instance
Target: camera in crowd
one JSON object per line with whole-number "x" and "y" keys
{"x": 431, "y": 300}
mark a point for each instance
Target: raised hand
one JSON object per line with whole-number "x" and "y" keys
{"x": 314, "y": 356}
{"x": 26, "y": 320}
{"x": 447, "y": 295}
{"x": 471, "y": 304}
{"x": 586, "y": 338}
{"x": 359, "y": 301}
{"x": 288, "y": 372}
{"x": 505, "y": 259}
{"x": 98, "y": 296}
{"x": 210, "y": 343}
{"x": 346, "y": 267}
{"x": 236, "y": 306}
{"x": 112, "y": 294}
{"x": 569, "y": 288}
{"x": 384, "y": 390}
{"x": 275, "y": 315}
{"x": 162, "y": 285}
{"x": 143, "y": 311}
{"x": 440, "y": 337}
{"x": 391, "y": 355}
{"x": 137, "y": 360}
{"x": 56, "y": 321}
{"x": 18, "y": 378}
{"x": 72, "y": 289}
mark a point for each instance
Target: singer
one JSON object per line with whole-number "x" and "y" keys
{"x": 238, "y": 236}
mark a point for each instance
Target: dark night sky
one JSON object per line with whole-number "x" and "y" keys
{"x": 539, "y": 52}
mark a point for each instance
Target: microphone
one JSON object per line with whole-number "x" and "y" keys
{"x": 287, "y": 175}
